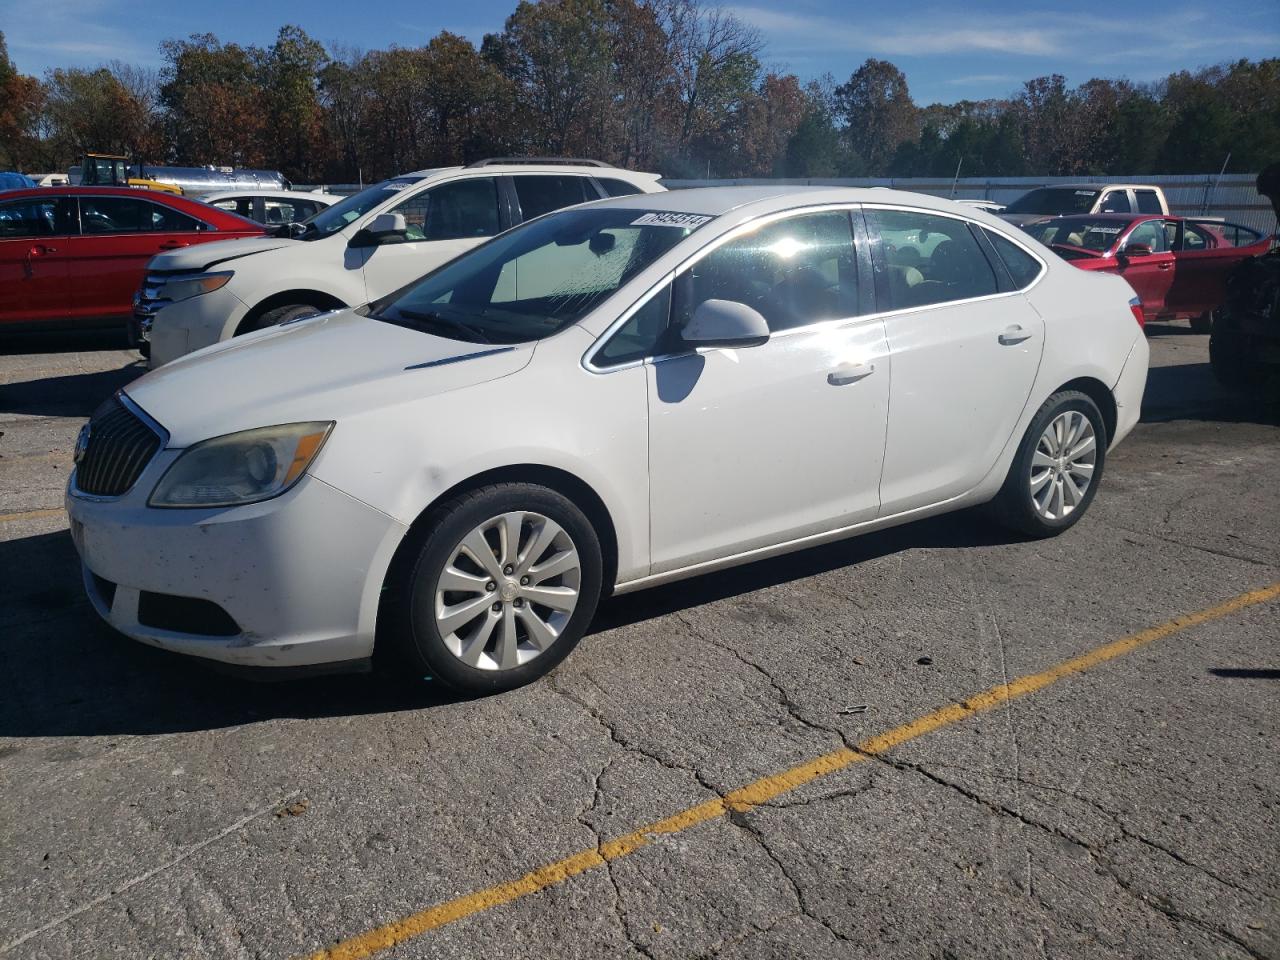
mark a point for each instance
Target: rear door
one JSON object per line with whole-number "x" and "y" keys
{"x": 1204, "y": 254}
{"x": 119, "y": 235}
{"x": 443, "y": 221}
{"x": 964, "y": 347}
{"x": 34, "y": 247}
{"x": 1150, "y": 274}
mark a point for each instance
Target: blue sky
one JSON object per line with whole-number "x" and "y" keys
{"x": 948, "y": 51}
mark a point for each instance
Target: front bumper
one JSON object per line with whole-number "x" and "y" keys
{"x": 298, "y": 578}
{"x": 176, "y": 329}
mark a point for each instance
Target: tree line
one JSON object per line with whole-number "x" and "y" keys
{"x": 673, "y": 86}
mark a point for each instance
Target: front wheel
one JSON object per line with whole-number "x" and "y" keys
{"x": 1057, "y": 468}
{"x": 1202, "y": 323}
{"x": 505, "y": 585}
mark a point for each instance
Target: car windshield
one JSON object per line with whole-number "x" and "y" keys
{"x": 332, "y": 219}
{"x": 1054, "y": 200}
{"x": 1089, "y": 233}
{"x": 537, "y": 279}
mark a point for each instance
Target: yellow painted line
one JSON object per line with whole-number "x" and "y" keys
{"x": 389, "y": 935}
{"x": 32, "y": 515}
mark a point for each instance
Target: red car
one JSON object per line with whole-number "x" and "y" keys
{"x": 1178, "y": 266}
{"x": 74, "y": 256}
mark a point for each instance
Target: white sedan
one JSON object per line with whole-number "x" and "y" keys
{"x": 604, "y": 399}
{"x": 272, "y": 207}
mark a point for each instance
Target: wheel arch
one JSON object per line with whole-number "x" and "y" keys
{"x": 311, "y": 297}
{"x": 1100, "y": 394}
{"x": 554, "y": 478}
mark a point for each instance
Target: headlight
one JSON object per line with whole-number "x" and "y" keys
{"x": 241, "y": 467}
{"x": 184, "y": 288}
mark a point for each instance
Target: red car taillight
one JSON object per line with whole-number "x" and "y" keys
{"x": 1136, "y": 306}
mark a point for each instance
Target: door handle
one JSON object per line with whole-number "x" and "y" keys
{"x": 1165, "y": 266}
{"x": 40, "y": 250}
{"x": 1013, "y": 334}
{"x": 850, "y": 373}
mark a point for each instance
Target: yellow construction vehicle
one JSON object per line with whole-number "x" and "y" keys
{"x": 109, "y": 170}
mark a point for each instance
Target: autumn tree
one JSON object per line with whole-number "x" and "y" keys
{"x": 213, "y": 100}
{"x": 21, "y": 105}
{"x": 878, "y": 115}
{"x": 288, "y": 73}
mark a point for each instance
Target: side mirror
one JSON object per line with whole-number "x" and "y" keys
{"x": 384, "y": 228}
{"x": 1136, "y": 250}
{"x": 725, "y": 323}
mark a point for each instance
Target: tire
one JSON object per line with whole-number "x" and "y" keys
{"x": 499, "y": 636}
{"x": 1202, "y": 323}
{"x": 278, "y": 315}
{"x": 1017, "y": 506}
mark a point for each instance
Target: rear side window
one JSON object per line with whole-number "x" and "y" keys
{"x": 1148, "y": 202}
{"x": 930, "y": 259}
{"x": 796, "y": 271}
{"x": 1022, "y": 266}
{"x": 277, "y": 210}
{"x": 617, "y": 188}
{"x": 241, "y": 205}
{"x": 1117, "y": 201}
{"x": 542, "y": 194}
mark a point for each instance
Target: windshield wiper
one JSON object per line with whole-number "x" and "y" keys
{"x": 428, "y": 317}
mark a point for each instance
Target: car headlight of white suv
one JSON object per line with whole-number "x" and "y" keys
{"x": 184, "y": 288}
{"x": 241, "y": 468}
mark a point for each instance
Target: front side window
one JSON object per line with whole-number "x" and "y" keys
{"x": 544, "y": 193}
{"x": 1022, "y": 266}
{"x": 238, "y": 205}
{"x": 130, "y": 215}
{"x": 1149, "y": 233}
{"x": 37, "y": 217}
{"x": 537, "y": 279}
{"x": 277, "y": 210}
{"x": 930, "y": 259}
{"x": 1148, "y": 202}
{"x": 794, "y": 272}
{"x": 1117, "y": 201}
{"x": 458, "y": 210}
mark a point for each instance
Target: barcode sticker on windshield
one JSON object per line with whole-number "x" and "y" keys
{"x": 690, "y": 220}
{"x": 394, "y": 186}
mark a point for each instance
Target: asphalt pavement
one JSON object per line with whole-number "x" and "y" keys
{"x": 790, "y": 759}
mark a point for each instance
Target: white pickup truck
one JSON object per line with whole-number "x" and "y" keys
{"x": 1063, "y": 199}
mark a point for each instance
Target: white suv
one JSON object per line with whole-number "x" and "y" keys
{"x": 361, "y": 248}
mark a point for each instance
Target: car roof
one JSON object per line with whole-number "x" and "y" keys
{"x": 508, "y": 169}
{"x": 91, "y": 191}
{"x": 1098, "y": 186}
{"x": 753, "y": 200}
{"x": 236, "y": 194}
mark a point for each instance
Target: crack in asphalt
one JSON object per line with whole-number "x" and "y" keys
{"x": 1213, "y": 551}
{"x": 1096, "y": 854}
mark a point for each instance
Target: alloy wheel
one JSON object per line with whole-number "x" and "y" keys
{"x": 509, "y": 588}
{"x": 1063, "y": 464}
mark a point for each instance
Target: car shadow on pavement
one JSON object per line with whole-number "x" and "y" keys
{"x": 64, "y": 341}
{"x": 1189, "y": 391}
{"x": 68, "y": 674}
{"x": 73, "y": 395}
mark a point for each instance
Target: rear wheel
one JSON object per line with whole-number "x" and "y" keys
{"x": 1057, "y": 468}
{"x": 504, "y": 586}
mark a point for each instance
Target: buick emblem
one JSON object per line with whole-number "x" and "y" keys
{"x": 82, "y": 443}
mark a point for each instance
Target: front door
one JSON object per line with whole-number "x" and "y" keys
{"x": 1150, "y": 274}
{"x": 119, "y": 236}
{"x": 443, "y": 222}
{"x": 34, "y": 235}
{"x": 757, "y": 446}
{"x": 964, "y": 357}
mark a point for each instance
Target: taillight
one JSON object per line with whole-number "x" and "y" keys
{"x": 1136, "y": 306}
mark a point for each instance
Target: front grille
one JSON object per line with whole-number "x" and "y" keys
{"x": 119, "y": 447}
{"x": 147, "y": 301}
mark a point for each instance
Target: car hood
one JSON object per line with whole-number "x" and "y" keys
{"x": 202, "y": 256}
{"x": 333, "y": 366}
